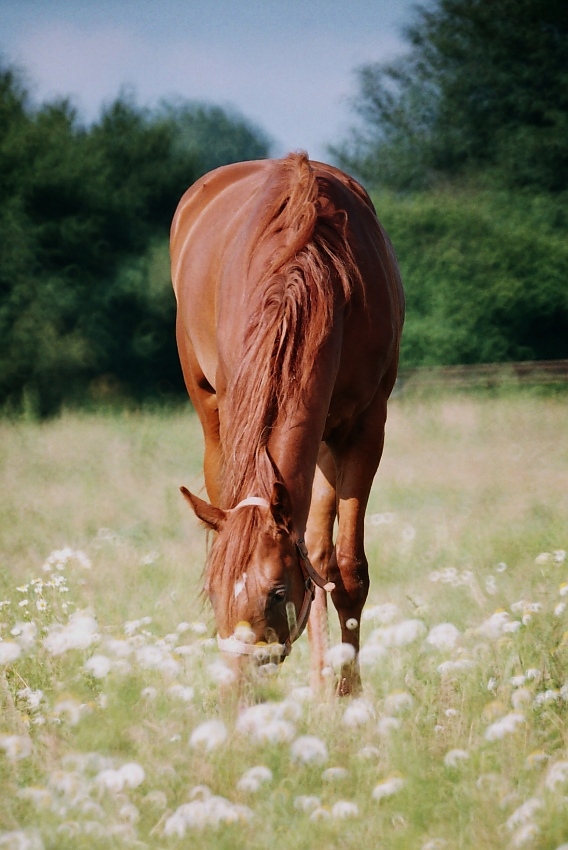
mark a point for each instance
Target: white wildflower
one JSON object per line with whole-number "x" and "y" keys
{"x": 359, "y": 712}
{"x": 308, "y": 749}
{"x": 385, "y": 518}
{"x": 493, "y": 627}
{"x": 559, "y": 556}
{"x": 454, "y": 757}
{"x": 198, "y": 814}
{"x": 546, "y": 697}
{"x": 344, "y": 809}
{"x": 398, "y": 701}
{"x": 506, "y": 725}
{"x": 369, "y": 752}
{"x": 383, "y": 614}
{"x": 79, "y": 633}
{"x": 371, "y": 653}
{"x": 334, "y": 774}
{"x": 275, "y": 732}
{"x": 220, "y": 672}
{"x": 98, "y": 666}
{"x": 320, "y": 813}
{"x": 399, "y": 634}
{"x": 184, "y": 693}
{"x": 254, "y": 778}
{"x": 520, "y": 697}
{"x": 543, "y": 558}
{"x": 10, "y": 651}
{"x": 386, "y": 725}
{"x": 387, "y": 787}
{"x": 307, "y": 803}
{"x": 70, "y": 708}
{"x": 210, "y": 734}
{"x": 16, "y": 747}
{"x": 340, "y": 654}
{"x": 443, "y": 636}
{"x": 457, "y": 666}
{"x": 524, "y": 835}
{"x": 524, "y": 813}
{"x": 557, "y": 775}
{"x": 21, "y": 839}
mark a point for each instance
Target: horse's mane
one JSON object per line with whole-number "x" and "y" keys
{"x": 310, "y": 268}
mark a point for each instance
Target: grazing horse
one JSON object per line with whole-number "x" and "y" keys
{"x": 289, "y": 315}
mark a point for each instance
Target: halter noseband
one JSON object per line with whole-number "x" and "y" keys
{"x": 311, "y": 579}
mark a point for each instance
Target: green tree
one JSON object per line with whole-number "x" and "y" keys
{"x": 483, "y": 89}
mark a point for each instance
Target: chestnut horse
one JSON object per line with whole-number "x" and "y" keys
{"x": 289, "y": 314}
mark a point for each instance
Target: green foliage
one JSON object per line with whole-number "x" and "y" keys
{"x": 483, "y": 89}
{"x": 485, "y": 276}
{"x": 86, "y": 307}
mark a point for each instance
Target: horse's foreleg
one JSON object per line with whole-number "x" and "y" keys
{"x": 319, "y": 540}
{"x": 357, "y": 460}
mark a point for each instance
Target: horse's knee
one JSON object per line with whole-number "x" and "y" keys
{"x": 351, "y": 577}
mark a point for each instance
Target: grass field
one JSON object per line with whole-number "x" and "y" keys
{"x": 111, "y": 729}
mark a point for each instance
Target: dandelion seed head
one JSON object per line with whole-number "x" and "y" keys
{"x": 384, "y": 614}
{"x": 344, "y": 809}
{"x": 340, "y": 654}
{"x": 506, "y": 725}
{"x": 359, "y": 712}
{"x": 306, "y": 803}
{"x": 16, "y": 747}
{"x": 308, "y": 749}
{"x": 388, "y": 787}
{"x": 454, "y": 757}
{"x": 98, "y": 666}
{"x": 443, "y": 637}
{"x": 209, "y": 735}
{"x": 9, "y": 652}
{"x": 334, "y": 774}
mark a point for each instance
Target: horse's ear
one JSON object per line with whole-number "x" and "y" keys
{"x": 212, "y": 517}
{"x": 281, "y": 506}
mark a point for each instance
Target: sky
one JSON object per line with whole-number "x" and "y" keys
{"x": 287, "y": 65}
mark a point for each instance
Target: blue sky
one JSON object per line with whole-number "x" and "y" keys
{"x": 285, "y": 64}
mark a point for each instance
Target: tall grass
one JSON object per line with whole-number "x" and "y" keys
{"x": 112, "y": 732}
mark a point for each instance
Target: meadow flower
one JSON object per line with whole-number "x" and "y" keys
{"x": 79, "y": 633}
{"x": 70, "y": 708}
{"x": 334, "y": 774}
{"x": 399, "y": 634}
{"x": 21, "y": 839}
{"x": 33, "y": 698}
{"x": 525, "y": 813}
{"x": 369, "y": 752}
{"x": 182, "y": 692}
{"x": 198, "y": 814}
{"x": 559, "y": 556}
{"x": 454, "y": 757}
{"x": 520, "y": 697}
{"x": 9, "y": 651}
{"x": 306, "y": 803}
{"x": 321, "y": 813}
{"x": 130, "y": 775}
{"x": 524, "y": 834}
{"x": 557, "y": 775}
{"x": 276, "y": 731}
{"x": 220, "y": 672}
{"x": 308, "y": 749}
{"x": 398, "y": 701}
{"x": 254, "y": 778}
{"x": 385, "y": 518}
{"x": 98, "y": 666}
{"x": 16, "y": 747}
{"x": 545, "y": 697}
{"x": 506, "y": 725}
{"x": 340, "y": 654}
{"x": 371, "y": 653}
{"x": 344, "y": 809}
{"x": 494, "y": 625}
{"x": 543, "y": 558}
{"x": 386, "y": 725}
{"x": 359, "y": 712}
{"x": 387, "y": 787}
{"x": 384, "y": 614}
{"x": 455, "y": 666}
{"x": 210, "y": 734}
{"x": 443, "y": 636}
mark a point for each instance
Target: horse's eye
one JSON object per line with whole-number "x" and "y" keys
{"x": 277, "y": 595}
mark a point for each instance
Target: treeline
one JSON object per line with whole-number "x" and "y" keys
{"x": 465, "y": 140}
{"x": 86, "y": 307}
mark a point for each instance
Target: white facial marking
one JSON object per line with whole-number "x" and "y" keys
{"x": 240, "y": 585}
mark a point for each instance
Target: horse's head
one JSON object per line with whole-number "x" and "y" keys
{"x": 258, "y": 576}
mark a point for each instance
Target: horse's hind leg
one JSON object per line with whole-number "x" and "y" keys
{"x": 319, "y": 540}
{"x": 357, "y": 458}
